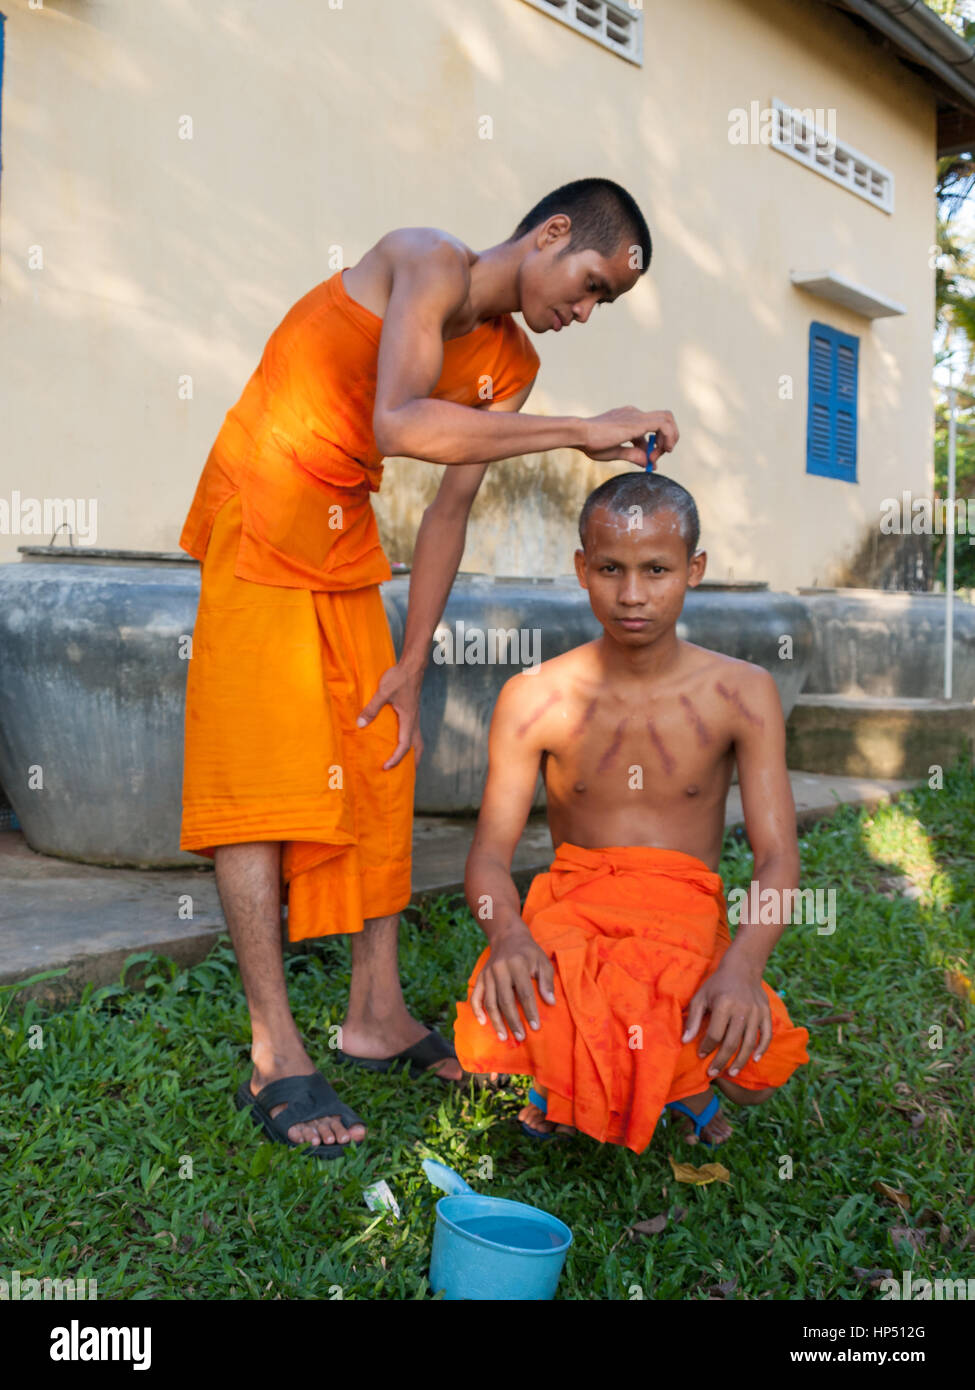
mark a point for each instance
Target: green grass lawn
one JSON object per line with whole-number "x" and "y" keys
{"x": 122, "y": 1159}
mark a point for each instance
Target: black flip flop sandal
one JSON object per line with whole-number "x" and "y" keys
{"x": 305, "y": 1098}
{"x": 421, "y": 1056}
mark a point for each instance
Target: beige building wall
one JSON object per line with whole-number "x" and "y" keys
{"x": 166, "y": 260}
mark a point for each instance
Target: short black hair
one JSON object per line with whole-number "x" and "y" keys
{"x": 602, "y": 214}
{"x": 652, "y": 493}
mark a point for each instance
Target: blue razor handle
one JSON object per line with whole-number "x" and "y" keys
{"x": 651, "y": 445}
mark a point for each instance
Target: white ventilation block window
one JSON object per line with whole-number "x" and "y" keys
{"x": 804, "y": 135}
{"x": 616, "y": 24}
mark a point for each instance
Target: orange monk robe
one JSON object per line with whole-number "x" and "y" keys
{"x": 291, "y": 635}
{"x": 632, "y": 932}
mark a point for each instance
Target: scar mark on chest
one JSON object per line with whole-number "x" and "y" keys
{"x": 735, "y": 699}
{"x": 704, "y": 736}
{"x": 580, "y": 727}
{"x": 613, "y": 748}
{"x": 661, "y": 747}
{"x": 546, "y": 704}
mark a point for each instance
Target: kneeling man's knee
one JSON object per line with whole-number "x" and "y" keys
{"x": 757, "y": 1097}
{"x": 742, "y": 1095}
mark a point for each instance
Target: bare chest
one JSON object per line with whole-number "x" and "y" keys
{"x": 675, "y": 747}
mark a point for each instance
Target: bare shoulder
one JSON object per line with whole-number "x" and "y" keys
{"x": 747, "y": 691}
{"x": 576, "y": 662}
{"x": 750, "y": 676}
{"x": 426, "y": 246}
{"x": 706, "y": 664}
{"x": 538, "y": 691}
{"x": 416, "y": 272}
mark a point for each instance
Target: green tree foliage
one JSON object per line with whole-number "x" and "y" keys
{"x": 955, "y": 318}
{"x": 954, "y": 337}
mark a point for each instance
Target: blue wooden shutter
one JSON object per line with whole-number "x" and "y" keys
{"x": 831, "y": 429}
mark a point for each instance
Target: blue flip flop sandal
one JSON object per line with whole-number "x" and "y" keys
{"x": 700, "y": 1121}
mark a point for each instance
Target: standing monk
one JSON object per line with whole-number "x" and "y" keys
{"x": 302, "y": 728}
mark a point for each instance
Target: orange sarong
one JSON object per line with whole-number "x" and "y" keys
{"x": 632, "y": 933}
{"x": 277, "y": 679}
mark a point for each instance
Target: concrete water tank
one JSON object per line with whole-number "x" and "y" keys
{"x": 93, "y": 674}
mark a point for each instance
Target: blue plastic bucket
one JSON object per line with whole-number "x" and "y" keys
{"x": 490, "y": 1248}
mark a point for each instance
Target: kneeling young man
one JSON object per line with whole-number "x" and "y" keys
{"x": 642, "y": 997}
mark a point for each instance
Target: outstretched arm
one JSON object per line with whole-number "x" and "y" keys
{"x": 430, "y": 283}
{"x": 514, "y": 755}
{"x": 733, "y": 996}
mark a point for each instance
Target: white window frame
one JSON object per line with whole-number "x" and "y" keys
{"x": 594, "y": 18}
{"x": 817, "y": 151}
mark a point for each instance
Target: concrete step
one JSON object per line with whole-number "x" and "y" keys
{"x": 87, "y": 920}
{"x": 885, "y": 737}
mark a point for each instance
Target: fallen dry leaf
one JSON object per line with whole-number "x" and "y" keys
{"x": 832, "y": 1018}
{"x": 724, "y": 1289}
{"x": 906, "y": 1235}
{"x": 652, "y": 1227}
{"x": 700, "y": 1177}
{"x": 960, "y": 984}
{"x": 893, "y": 1194}
{"x": 872, "y": 1277}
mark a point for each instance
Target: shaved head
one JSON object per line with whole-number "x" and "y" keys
{"x": 651, "y": 493}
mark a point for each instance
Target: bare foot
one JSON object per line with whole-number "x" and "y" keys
{"x": 535, "y": 1118}
{"x": 386, "y": 1039}
{"x": 327, "y": 1129}
{"x": 716, "y": 1131}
